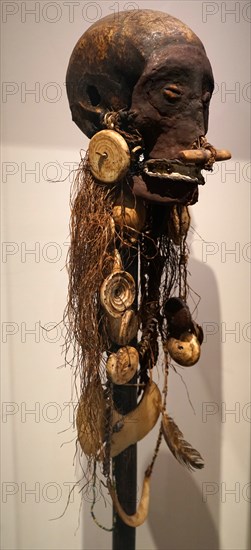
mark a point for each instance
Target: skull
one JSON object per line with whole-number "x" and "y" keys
{"x": 152, "y": 70}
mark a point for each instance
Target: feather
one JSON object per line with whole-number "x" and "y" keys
{"x": 181, "y": 449}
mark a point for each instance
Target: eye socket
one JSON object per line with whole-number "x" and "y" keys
{"x": 93, "y": 95}
{"x": 172, "y": 93}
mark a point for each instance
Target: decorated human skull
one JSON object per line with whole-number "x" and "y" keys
{"x": 153, "y": 71}
{"x": 139, "y": 86}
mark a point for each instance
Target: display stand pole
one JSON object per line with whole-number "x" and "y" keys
{"x": 125, "y": 464}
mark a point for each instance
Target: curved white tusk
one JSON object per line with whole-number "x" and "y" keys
{"x": 134, "y": 520}
{"x": 132, "y": 427}
{"x": 123, "y": 329}
{"x": 138, "y": 422}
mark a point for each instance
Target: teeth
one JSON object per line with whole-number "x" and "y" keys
{"x": 172, "y": 176}
{"x": 173, "y": 170}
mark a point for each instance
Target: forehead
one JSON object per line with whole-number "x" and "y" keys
{"x": 183, "y": 61}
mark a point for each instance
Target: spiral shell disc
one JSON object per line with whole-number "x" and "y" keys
{"x": 109, "y": 156}
{"x": 117, "y": 293}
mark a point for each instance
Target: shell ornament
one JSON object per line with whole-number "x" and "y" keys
{"x": 129, "y": 81}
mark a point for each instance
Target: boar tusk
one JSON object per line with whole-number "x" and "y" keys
{"x": 200, "y": 156}
{"x": 132, "y": 427}
{"x": 134, "y": 520}
{"x": 123, "y": 329}
{"x": 117, "y": 265}
{"x": 139, "y": 422}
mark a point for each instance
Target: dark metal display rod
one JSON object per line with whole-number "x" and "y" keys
{"x": 125, "y": 464}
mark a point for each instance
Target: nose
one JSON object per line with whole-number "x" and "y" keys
{"x": 203, "y": 156}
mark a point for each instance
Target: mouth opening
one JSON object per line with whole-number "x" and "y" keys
{"x": 174, "y": 170}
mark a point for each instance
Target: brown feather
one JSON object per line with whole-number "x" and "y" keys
{"x": 181, "y": 449}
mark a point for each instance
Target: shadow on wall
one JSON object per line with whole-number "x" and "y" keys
{"x": 179, "y": 519}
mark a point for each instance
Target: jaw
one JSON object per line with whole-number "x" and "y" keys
{"x": 166, "y": 181}
{"x": 173, "y": 171}
{"x": 177, "y": 179}
{"x": 165, "y": 189}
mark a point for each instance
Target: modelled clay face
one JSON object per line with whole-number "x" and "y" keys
{"x": 151, "y": 71}
{"x": 171, "y": 100}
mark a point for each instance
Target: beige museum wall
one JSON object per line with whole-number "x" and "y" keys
{"x": 207, "y": 510}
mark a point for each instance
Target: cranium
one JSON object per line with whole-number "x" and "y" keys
{"x": 153, "y": 71}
